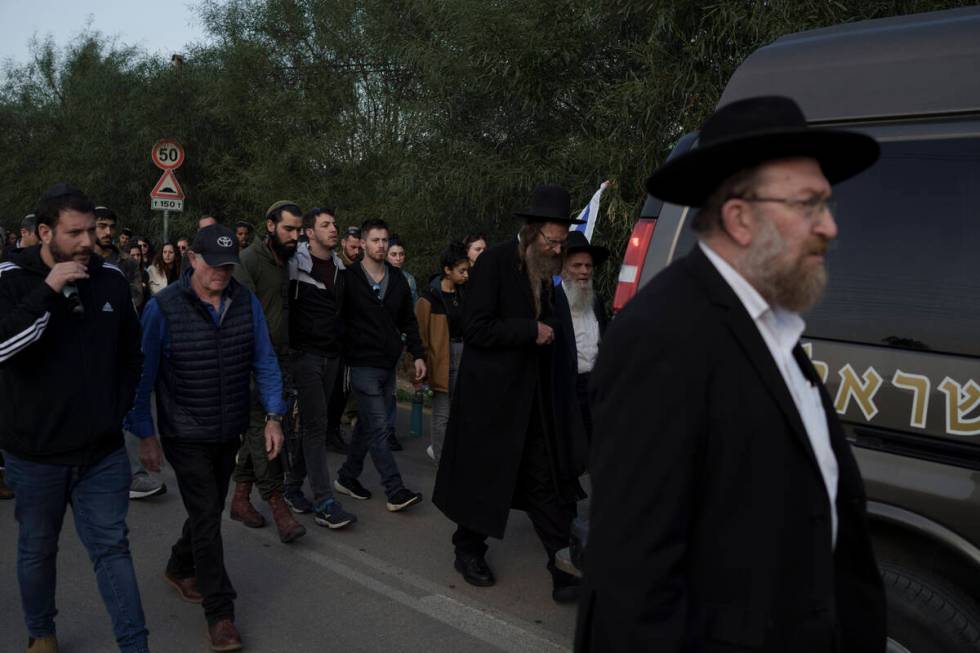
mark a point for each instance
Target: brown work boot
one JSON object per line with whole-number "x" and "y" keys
{"x": 242, "y": 509}
{"x": 5, "y": 491}
{"x": 289, "y": 528}
{"x": 224, "y": 636}
{"x": 47, "y": 644}
{"x": 186, "y": 587}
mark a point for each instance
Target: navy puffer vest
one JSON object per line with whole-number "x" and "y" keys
{"x": 203, "y": 387}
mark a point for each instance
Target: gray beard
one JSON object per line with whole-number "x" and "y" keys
{"x": 580, "y": 295}
{"x": 782, "y": 283}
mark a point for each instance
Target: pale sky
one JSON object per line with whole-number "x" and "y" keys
{"x": 157, "y": 26}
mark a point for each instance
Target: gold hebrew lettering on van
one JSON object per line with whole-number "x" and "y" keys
{"x": 822, "y": 368}
{"x": 919, "y": 385}
{"x": 960, "y": 402}
{"x": 851, "y": 385}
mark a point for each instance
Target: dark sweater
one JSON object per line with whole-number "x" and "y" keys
{"x": 66, "y": 380}
{"x": 374, "y": 327}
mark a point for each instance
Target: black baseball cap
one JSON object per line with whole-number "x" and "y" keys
{"x": 217, "y": 245}
{"x": 352, "y": 232}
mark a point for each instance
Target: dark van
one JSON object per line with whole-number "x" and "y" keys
{"x": 897, "y": 335}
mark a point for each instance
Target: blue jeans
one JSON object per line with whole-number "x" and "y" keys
{"x": 99, "y": 497}
{"x": 374, "y": 389}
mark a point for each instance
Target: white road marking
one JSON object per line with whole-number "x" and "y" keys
{"x": 507, "y": 634}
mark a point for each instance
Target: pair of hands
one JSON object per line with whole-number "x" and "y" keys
{"x": 151, "y": 454}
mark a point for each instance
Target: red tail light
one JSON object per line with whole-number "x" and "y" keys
{"x": 632, "y": 268}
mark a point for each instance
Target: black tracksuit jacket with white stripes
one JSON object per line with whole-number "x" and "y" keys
{"x": 66, "y": 380}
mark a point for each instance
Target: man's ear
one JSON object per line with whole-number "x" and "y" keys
{"x": 45, "y": 233}
{"x": 737, "y": 221}
{"x": 270, "y": 226}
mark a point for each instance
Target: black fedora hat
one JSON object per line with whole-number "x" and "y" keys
{"x": 549, "y": 203}
{"x": 752, "y": 131}
{"x": 577, "y": 242}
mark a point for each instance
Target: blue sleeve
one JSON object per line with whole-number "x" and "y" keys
{"x": 140, "y": 419}
{"x": 265, "y": 364}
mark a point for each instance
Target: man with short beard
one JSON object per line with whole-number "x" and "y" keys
{"x": 581, "y": 318}
{"x": 502, "y": 448}
{"x": 69, "y": 364}
{"x": 264, "y": 270}
{"x": 728, "y": 511}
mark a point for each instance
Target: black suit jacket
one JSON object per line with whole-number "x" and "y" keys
{"x": 711, "y": 527}
{"x": 568, "y": 413}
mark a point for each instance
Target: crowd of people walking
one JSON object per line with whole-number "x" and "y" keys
{"x": 728, "y": 511}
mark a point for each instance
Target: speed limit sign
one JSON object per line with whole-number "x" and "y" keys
{"x": 167, "y": 154}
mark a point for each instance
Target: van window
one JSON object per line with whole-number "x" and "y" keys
{"x": 905, "y": 269}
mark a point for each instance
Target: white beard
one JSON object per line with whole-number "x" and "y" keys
{"x": 580, "y": 295}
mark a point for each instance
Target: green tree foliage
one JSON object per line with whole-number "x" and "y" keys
{"x": 439, "y": 116}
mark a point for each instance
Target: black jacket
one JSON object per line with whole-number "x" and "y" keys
{"x": 66, "y": 381}
{"x": 710, "y": 526}
{"x": 568, "y": 413}
{"x": 373, "y": 328}
{"x": 502, "y": 377}
{"x": 314, "y": 309}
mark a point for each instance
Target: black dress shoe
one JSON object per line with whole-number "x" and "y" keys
{"x": 565, "y": 587}
{"x": 565, "y": 593}
{"x": 475, "y": 570}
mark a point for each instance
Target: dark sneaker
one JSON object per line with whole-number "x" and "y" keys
{"x": 143, "y": 487}
{"x": 352, "y": 488}
{"x": 402, "y": 499}
{"x": 298, "y": 503}
{"x": 333, "y": 516}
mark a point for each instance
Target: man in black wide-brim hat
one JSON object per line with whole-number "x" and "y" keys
{"x": 728, "y": 512}
{"x": 502, "y": 449}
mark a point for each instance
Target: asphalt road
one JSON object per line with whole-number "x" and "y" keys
{"x": 385, "y": 584}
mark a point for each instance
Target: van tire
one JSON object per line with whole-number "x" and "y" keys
{"x": 926, "y": 616}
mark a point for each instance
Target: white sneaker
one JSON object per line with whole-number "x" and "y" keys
{"x": 430, "y": 452}
{"x": 143, "y": 487}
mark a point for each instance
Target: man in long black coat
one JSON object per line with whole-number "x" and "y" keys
{"x": 502, "y": 449}
{"x": 728, "y": 512}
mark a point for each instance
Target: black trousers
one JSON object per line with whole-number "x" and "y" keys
{"x": 582, "y": 395}
{"x": 536, "y": 491}
{"x": 203, "y": 472}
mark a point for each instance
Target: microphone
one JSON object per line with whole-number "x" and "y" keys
{"x": 70, "y": 291}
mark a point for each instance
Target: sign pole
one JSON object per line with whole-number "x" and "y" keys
{"x": 166, "y": 225}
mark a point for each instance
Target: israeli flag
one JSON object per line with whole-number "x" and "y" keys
{"x": 590, "y": 214}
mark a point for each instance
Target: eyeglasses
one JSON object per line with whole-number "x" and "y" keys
{"x": 376, "y": 287}
{"x": 552, "y": 242}
{"x": 811, "y": 207}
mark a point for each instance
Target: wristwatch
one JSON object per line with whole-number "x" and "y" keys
{"x": 273, "y": 417}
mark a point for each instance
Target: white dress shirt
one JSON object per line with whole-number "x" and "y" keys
{"x": 586, "y": 327}
{"x": 781, "y": 330}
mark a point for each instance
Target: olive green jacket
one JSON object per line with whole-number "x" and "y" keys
{"x": 260, "y": 272}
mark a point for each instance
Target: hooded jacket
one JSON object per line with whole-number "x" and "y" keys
{"x": 374, "y": 327}
{"x": 66, "y": 379}
{"x": 314, "y": 310}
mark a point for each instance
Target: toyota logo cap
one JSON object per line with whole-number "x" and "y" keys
{"x": 217, "y": 245}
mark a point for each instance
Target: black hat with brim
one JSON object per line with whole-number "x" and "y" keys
{"x": 217, "y": 245}
{"x": 577, "y": 242}
{"x": 750, "y": 132}
{"x": 549, "y": 203}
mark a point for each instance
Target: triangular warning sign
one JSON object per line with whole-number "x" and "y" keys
{"x": 167, "y": 188}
